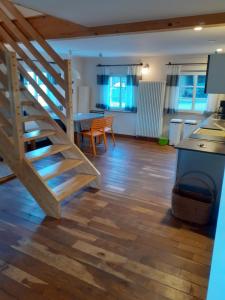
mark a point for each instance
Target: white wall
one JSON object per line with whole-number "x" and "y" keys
{"x": 78, "y": 79}
{"x": 125, "y": 123}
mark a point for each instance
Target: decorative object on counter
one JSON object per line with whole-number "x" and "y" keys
{"x": 189, "y": 127}
{"x": 221, "y": 110}
{"x": 191, "y": 203}
{"x": 175, "y": 131}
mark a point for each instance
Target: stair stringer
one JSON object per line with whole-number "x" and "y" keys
{"x": 62, "y": 138}
{"x": 29, "y": 177}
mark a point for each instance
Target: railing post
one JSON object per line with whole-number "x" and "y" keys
{"x": 14, "y": 97}
{"x": 69, "y": 100}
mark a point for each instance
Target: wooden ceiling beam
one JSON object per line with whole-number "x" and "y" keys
{"x": 54, "y": 28}
{"x": 161, "y": 25}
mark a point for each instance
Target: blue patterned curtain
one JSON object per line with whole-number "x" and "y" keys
{"x": 133, "y": 78}
{"x": 172, "y": 89}
{"x": 104, "y": 88}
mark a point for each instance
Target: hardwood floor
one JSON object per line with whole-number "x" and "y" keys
{"x": 118, "y": 243}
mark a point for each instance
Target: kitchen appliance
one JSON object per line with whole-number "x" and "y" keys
{"x": 221, "y": 110}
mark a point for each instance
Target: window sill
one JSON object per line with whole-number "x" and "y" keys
{"x": 190, "y": 112}
{"x": 121, "y": 111}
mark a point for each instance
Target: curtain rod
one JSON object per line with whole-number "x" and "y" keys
{"x": 124, "y": 65}
{"x": 185, "y": 64}
{"x": 35, "y": 60}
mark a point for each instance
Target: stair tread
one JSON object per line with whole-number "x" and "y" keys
{"x": 27, "y": 103}
{"x": 59, "y": 168}
{"x": 72, "y": 185}
{"x": 34, "y": 118}
{"x": 46, "y": 151}
{"x": 37, "y": 134}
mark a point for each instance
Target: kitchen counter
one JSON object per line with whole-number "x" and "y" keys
{"x": 205, "y": 143}
{"x": 206, "y": 155}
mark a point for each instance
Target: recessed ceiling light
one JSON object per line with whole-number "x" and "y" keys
{"x": 198, "y": 28}
{"x": 219, "y": 50}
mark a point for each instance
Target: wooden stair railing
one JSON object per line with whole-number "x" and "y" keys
{"x": 10, "y": 32}
{"x": 15, "y": 98}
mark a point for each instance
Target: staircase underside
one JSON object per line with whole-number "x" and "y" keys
{"x": 19, "y": 106}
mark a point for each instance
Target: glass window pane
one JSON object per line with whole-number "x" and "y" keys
{"x": 185, "y": 104}
{"x": 124, "y": 92}
{"x": 200, "y": 93}
{"x": 114, "y": 92}
{"x": 118, "y": 91}
{"x": 186, "y": 80}
{"x": 201, "y": 80}
{"x": 200, "y": 104}
{"x": 186, "y": 92}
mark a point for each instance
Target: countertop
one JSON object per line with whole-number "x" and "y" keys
{"x": 203, "y": 143}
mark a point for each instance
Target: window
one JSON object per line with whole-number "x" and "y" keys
{"x": 117, "y": 92}
{"x": 192, "y": 95}
{"x": 42, "y": 86}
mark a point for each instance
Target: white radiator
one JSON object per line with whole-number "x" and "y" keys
{"x": 150, "y": 102}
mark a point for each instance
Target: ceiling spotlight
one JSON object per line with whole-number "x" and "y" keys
{"x": 219, "y": 50}
{"x": 198, "y": 28}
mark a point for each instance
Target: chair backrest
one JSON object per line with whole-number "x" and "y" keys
{"x": 98, "y": 124}
{"x": 109, "y": 121}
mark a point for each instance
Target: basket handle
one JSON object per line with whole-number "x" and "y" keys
{"x": 204, "y": 182}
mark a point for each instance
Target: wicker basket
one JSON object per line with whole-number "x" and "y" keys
{"x": 192, "y": 206}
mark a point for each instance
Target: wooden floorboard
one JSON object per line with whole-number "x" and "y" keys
{"x": 116, "y": 243}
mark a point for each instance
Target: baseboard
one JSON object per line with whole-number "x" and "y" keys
{"x": 143, "y": 138}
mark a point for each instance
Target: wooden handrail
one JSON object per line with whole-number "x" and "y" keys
{"x": 33, "y": 33}
{"x": 69, "y": 101}
{"x": 16, "y": 111}
{"x": 21, "y": 29}
{"x": 32, "y": 65}
{"x": 9, "y": 25}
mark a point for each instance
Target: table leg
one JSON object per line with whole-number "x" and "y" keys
{"x": 77, "y": 138}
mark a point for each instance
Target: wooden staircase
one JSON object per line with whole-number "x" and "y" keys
{"x": 18, "y": 60}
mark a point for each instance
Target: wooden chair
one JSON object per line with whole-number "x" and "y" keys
{"x": 109, "y": 127}
{"x": 97, "y": 131}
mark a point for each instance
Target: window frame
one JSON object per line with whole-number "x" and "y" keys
{"x": 44, "y": 88}
{"x": 120, "y": 108}
{"x": 195, "y": 81}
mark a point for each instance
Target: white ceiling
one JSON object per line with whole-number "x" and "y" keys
{"x": 97, "y": 12}
{"x": 102, "y": 12}
{"x": 158, "y": 43}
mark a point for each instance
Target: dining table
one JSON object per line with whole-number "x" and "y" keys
{"x": 82, "y": 121}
